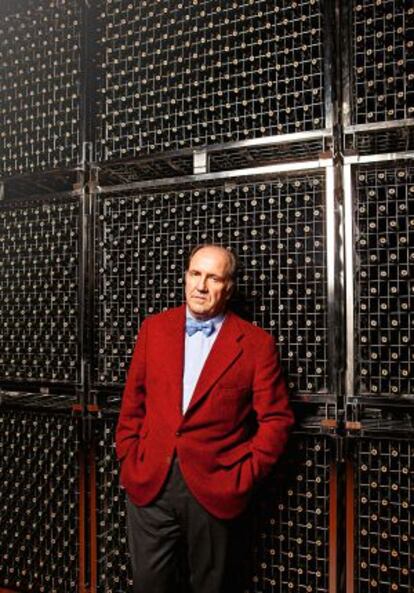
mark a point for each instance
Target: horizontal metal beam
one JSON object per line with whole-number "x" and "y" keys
{"x": 383, "y": 125}
{"x": 50, "y": 196}
{"x": 238, "y": 144}
{"x": 223, "y": 175}
{"x": 271, "y": 140}
{"x": 377, "y": 158}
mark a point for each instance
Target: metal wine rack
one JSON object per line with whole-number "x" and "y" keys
{"x": 383, "y": 60}
{"x": 112, "y": 569}
{"x": 380, "y": 511}
{"x": 39, "y": 280}
{"x": 381, "y": 357}
{"x": 276, "y": 226}
{"x": 210, "y": 121}
{"x": 39, "y": 501}
{"x": 39, "y": 86}
{"x": 294, "y": 541}
{"x": 183, "y": 75}
{"x": 379, "y": 92}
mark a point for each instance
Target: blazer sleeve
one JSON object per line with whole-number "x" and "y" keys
{"x": 271, "y": 404}
{"x": 132, "y": 412}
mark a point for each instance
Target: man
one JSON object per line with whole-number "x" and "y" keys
{"x": 204, "y": 417}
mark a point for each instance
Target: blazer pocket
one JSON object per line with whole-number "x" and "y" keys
{"x": 235, "y": 455}
{"x": 141, "y": 445}
{"x": 141, "y": 450}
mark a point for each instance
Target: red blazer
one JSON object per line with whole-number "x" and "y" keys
{"x": 221, "y": 452}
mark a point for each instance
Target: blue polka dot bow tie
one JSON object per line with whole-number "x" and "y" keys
{"x": 192, "y": 326}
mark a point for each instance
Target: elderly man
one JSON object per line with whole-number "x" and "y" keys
{"x": 204, "y": 417}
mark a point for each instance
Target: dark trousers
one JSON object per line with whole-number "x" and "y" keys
{"x": 174, "y": 521}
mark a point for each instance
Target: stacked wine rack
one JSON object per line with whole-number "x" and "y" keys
{"x": 131, "y": 131}
{"x": 384, "y": 230}
{"x": 113, "y": 571}
{"x": 39, "y": 86}
{"x": 278, "y": 229}
{"x": 177, "y": 75}
{"x": 293, "y": 523}
{"x": 383, "y": 526}
{"x": 379, "y": 93}
{"x": 378, "y": 183}
{"x": 40, "y": 518}
{"x": 39, "y": 273}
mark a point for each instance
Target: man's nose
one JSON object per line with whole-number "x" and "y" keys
{"x": 201, "y": 284}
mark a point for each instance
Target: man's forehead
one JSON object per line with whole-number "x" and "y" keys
{"x": 218, "y": 254}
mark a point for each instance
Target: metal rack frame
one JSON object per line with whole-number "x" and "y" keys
{"x": 328, "y": 32}
{"x": 351, "y": 129}
{"x": 44, "y": 451}
{"x": 334, "y": 263}
{"x": 285, "y": 154}
{"x": 352, "y": 543}
{"x": 349, "y": 165}
{"x": 50, "y": 386}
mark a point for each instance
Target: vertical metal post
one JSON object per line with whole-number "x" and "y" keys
{"x": 333, "y": 528}
{"x": 82, "y": 518}
{"x": 93, "y": 543}
{"x": 345, "y": 30}
{"x": 328, "y": 42}
{"x": 200, "y": 162}
{"x": 92, "y": 195}
{"x": 89, "y": 78}
{"x": 350, "y": 527}
{"x": 331, "y": 263}
{"x": 83, "y": 291}
{"x": 349, "y": 280}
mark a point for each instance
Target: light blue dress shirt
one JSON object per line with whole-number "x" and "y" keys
{"x": 196, "y": 350}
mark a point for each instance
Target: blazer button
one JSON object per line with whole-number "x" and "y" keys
{"x": 178, "y": 433}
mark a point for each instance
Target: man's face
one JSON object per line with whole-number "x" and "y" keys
{"x": 207, "y": 283}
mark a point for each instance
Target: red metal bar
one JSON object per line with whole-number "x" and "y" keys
{"x": 333, "y": 526}
{"x": 93, "y": 518}
{"x": 82, "y": 519}
{"x": 350, "y": 527}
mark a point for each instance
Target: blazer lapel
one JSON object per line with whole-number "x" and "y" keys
{"x": 226, "y": 349}
{"x": 174, "y": 353}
